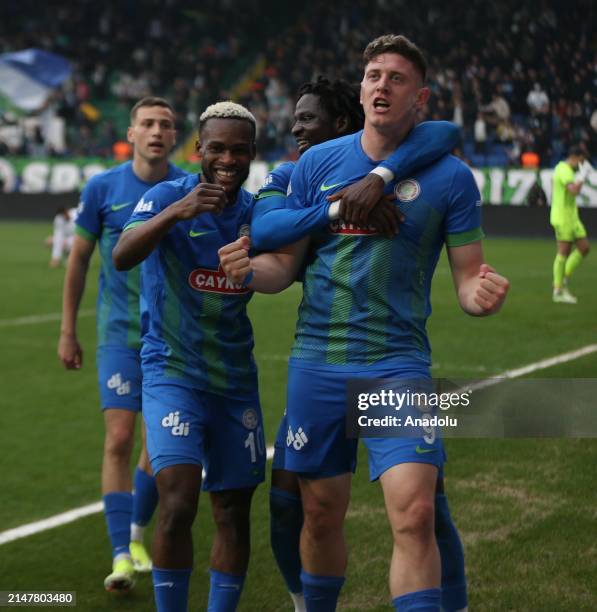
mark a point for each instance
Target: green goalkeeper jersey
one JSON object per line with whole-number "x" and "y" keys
{"x": 563, "y": 203}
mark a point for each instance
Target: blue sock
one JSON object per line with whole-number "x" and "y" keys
{"x": 286, "y": 522}
{"x": 427, "y": 600}
{"x": 321, "y": 592}
{"x": 224, "y": 591}
{"x": 454, "y": 595}
{"x": 118, "y": 508}
{"x": 145, "y": 497}
{"x": 171, "y": 589}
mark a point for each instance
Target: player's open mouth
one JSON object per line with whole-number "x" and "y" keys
{"x": 380, "y": 104}
{"x": 225, "y": 175}
{"x": 302, "y": 143}
{"x": 156, "y": 145}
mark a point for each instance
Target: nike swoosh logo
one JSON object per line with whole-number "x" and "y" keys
{"x": 424, "y": 451}
{"x": 116, "y": 207}
{"x": 163, "y": 584}
{"x": 194, "y": 234}
{"x": 325, "y": 187}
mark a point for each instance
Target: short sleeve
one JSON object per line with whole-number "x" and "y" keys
{"x": 276, "y": 182}
{"x": 151, "y": 203}
{"x": 89, "y": 218}
{"x": 463, "y": 219}
{"x": 298, "y": 193}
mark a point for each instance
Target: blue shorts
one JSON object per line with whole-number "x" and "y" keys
{"x": 119, "y": 377}
{"x": 189, "y": 426}
{"x": 279, "y": 462}
{"x": 316, "y": 441}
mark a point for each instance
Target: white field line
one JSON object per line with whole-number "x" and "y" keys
{"x": 534, "y": 367}
{"x": 45, "y": 318}
{"x": 63, "y": 518}
{"x": 72, "y": 515}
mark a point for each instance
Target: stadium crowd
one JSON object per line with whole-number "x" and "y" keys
{"x": 515, "y": 76}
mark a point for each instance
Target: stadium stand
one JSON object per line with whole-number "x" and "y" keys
{"x": 527, "y": 69}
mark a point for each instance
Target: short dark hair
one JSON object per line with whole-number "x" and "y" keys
{"x": 338, "y": 98}
{"x": 396, "y": 43}
{"x": 576, "y": 150}
{"x": 149, "y": 101}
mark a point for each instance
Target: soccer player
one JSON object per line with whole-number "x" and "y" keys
{"x": 363, "y": 314}
{"x": 569, "y": 230}
{"x": 200, "y": 400}
{"x": 63, "y": 235}
{"x": 326, "y": 110}
{"x": 106, "y": 203}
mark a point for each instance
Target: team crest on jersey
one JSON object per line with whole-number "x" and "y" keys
{"x": 214, "y": 281}
{"x": 244, "y": 230}
{"x": 250, "y": 418}
{"x": 340, "y": 227}
{"x": 408, "y": 190}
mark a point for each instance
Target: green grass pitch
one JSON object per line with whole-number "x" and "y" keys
{"x": 526, "y": 509}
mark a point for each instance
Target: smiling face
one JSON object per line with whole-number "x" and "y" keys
{"x": 392, "y": 92}
{"x": 312, "y": 123}
{"x": 226, "y": 150}
{"x": 152, "y": 133}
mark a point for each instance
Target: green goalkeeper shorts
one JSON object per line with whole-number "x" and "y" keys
{"x": 570, "y": 232}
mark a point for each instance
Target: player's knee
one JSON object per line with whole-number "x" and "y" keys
{"x": 119, "y": 442}
{"x": 322, "y": 518}
{"x": 584, "y": 249}
{"x": 231, "y": 515}
{"x": 414, "y": 521}
{"x": 177, "y": 513}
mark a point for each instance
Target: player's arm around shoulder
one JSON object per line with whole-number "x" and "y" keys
{"x": 481, "y": 290}
{"x": 156, "y": 214}
{"x": 69, "y": 349}
{"x": 267, "y": 272}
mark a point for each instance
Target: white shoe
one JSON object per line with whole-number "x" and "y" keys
{"x": 298, "y": 600}
{"x": 563, "y": 296}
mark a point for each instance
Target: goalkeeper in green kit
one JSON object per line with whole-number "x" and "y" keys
{"x": 571, "y": 235}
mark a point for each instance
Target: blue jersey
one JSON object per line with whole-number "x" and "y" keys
{"x": 366, "y": 297}
{"x": 196, "y": 331}
{"x": 273, "y": 227}
{"x": 106, "y": 204}
{"x": 276, "y": 182}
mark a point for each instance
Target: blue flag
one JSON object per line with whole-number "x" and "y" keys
{"x": 28, "y": 77}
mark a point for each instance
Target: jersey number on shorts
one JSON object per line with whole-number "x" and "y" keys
{"x": 255, "y": 443}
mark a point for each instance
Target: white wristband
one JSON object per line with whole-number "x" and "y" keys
{"x": 334, "y": 210}
{"x": 385, "y": 174}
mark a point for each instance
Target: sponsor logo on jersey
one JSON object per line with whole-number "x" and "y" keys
{"x": 269, "y": 179}
{"x": 325, "y": 187}
{"x": 340, "y": 227}
{"x": 296, "y": 440}
{"x": 214, "y": 281}
{"x": 116, "y": 207}
{"x": 143, "y": 206}
{"x": 423, "y": 451}
{"x": 408, "y": 190}
{"x": 122, "y": 387}
{"x": 177, "y": 428}
{"x": 244, "y": 230}
{"x": 250, "y": 418}
{"x": 194, "y": 234}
